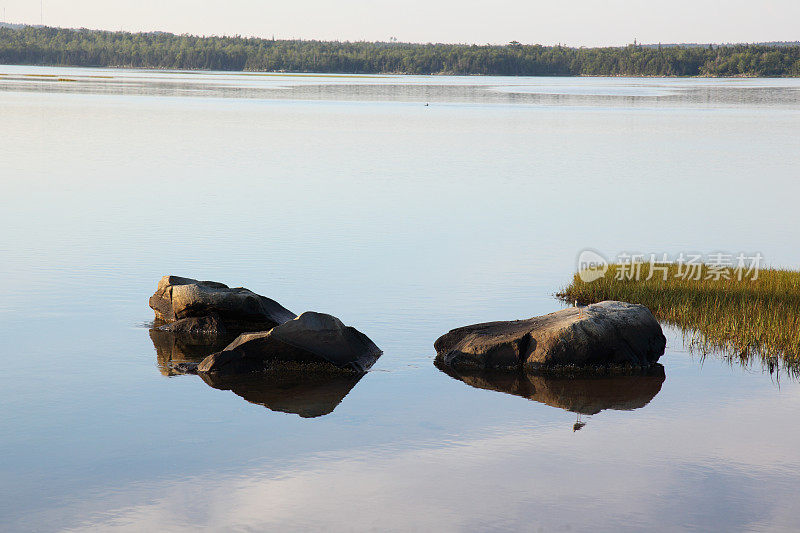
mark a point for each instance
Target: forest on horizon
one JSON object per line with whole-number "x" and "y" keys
{"x": 36, "y": 45}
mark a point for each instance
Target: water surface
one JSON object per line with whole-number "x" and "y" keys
{"x": 348, "y": 195}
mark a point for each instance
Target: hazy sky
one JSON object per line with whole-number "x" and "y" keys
{"x": 572, "y": 22}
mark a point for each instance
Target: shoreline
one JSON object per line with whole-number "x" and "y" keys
{"x": 391, "y": 73}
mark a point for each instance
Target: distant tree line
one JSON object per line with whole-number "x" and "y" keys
{"x": 57, "y": 46}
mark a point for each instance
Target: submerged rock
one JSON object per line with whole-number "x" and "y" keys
{"x": 308, "y": 395}
{"x": 582, "y": 394}
{"x": 210, "y": 309}
{"x": 310, "y": 339}
{"x": 605, "y": 333}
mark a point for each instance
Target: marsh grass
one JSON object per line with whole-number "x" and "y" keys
{"x": 746, "y": 319}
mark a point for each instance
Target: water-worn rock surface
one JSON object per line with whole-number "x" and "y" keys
{"x": 310, "y": 339}
{"x": 208, "y": 309}
{"x": 201, "y": 330}
{"x": 605, "y": 333}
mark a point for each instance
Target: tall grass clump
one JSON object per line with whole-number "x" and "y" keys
{"x": 746, "y": 317}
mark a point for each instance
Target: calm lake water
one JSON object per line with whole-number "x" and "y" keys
{"x": 347, "y": 195}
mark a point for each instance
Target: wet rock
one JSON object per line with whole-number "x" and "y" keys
{"x": 310, "y": 339}
{"x": 583, "y": 394}
{"x": 218, "y": 310}
{"x": 185, "y": 368}
{"x": 201, "y": 330}
{"x": 307, "y": 394}
{"x": 605, "y": 333}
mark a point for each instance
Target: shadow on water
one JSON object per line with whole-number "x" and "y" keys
{"x": 581, "y": 395}
{"x": 286, "y": 390}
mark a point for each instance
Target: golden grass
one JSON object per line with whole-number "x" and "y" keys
{"x": 744, "y": 318}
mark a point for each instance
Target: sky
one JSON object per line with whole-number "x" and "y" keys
{"x": 570, "y": 22}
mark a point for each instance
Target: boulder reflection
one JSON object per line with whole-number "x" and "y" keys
{"x": 176, "y": 353}
{"x": 581, "y": 395}
{"x": 307, "y": 394}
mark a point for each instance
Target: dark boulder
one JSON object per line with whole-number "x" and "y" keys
{"x": 210, "y": 309}
{"x": 606, "y": 333}
{"x": 315, "y": 339}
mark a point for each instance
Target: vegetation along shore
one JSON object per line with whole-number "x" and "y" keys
{"x": 36, "y": 45}
{"x": 744, "y": 317}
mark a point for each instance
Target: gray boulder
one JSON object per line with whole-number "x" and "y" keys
{"x": 320, "y": 341}
{"x": 605, "y": 333}
{"x": 212, "y": 310}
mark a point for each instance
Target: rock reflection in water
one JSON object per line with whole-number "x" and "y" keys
{"x": 582, "y": 395}
{"x": 308, "y": 395}
{"x": 174, "y": 353}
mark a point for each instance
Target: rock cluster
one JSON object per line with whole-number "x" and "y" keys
{"x": 196, "y": 317}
